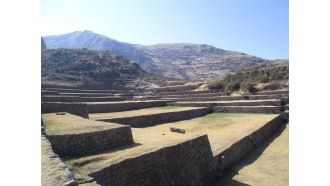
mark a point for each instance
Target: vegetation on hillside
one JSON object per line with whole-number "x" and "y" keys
{"x": 88, "y": 68}
{"x": 272, "y": 76}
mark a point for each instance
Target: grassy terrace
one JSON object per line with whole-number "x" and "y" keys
{"x": 71, "y": 124}
{"x": 222, "y": 129}
{"x": 139, "y": 112}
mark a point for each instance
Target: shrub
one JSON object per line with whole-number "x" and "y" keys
{"x": 273, "y": 86}
{"x": 216, "y": 85}
{"x": 264, "y": 79}
{"x": 234, "y": 86}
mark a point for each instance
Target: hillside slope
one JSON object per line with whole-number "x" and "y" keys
{"x": 273, "y": 76}
{"x": 88, "y": 69}
{"x": 178, "y": 60}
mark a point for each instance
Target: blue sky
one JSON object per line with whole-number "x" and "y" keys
{"x": 255, "y": 27}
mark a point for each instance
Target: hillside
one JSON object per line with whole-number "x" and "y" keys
{"x": 197, "y": 62}
{"x": 178, "y": 60}
{"x": 273, "y": 76}
{"x": 90, "y": 69}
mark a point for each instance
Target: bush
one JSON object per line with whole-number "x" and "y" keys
{"x": 248, "y": 86}
{"x": 215, "y": 85}
{"x": 225, "y": 91}
{"x": 273, "y": 86}
{"x": 264, "y": 79}
{"x": 234, "y": 86}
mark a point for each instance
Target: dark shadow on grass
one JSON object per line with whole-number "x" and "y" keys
{"x": 227, "y": 178}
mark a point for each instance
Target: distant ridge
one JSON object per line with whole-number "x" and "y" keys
{"x": 177, "y": 60}
{"x": 82, "y": 68}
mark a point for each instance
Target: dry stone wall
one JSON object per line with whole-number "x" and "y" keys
{"x": 60, "y": 99}
{"x": 192, "y": 104}
{"x": 238, "y": 103}
{"x": 123, "y": 106}
{"x": 278, "y": 92}
{"x": 102, "y": 99}
{"x": 252, "y": 103}
{"x": 91, "y": 94}
{"x": 48, "y": 92}
{"x": 285, "y": 100}
{"x": 179, "y": 88}
{"x": 78, "y": 109}
{"x": 184, "y": 95}
{"x": 153, "y": 119}
{"x": 238, "y": 150}
{"x": 260, "y": 97}
{"x": 187, "y": 163}
{"x": 219, "y": 98}
{"x": 185, "y": 92}
{"x": 85, "y": 143}
{"x": 248, "y": 109}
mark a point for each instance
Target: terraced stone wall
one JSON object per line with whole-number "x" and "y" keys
{"x": 184, "y": 95}
{"x": 85, "y": 143}
{"x": 123, "y": 106}
{"x": 78, "y": 109}
{"x": 259, "y": 97}
{"x": 192, "y": 104}
{"x": 182, "y": 88}
{"x": 149, "y": 120}
{"x": 190, "y": 92}
{"x": 238, "y": 150}
{"x": 187, "y": 163}
{"x": 48, "y": 92}
{"x": 279, "y": 92}
{"x": 102, "y": 99}
{"x": 285, "y": 100}
{"x": 238, "y": 103}
{"x": 206, "y": 98}
{"x": 248, "y": 109}
{"x": 252, "y": 103}
{"x": 60, "y": 98}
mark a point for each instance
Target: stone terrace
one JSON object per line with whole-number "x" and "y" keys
{"x": 229, "y": 135}
{"x": 151, "y": 116}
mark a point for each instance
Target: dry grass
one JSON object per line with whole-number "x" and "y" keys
{"x": 71, "y": 124}
{"x": 222, "y": 130}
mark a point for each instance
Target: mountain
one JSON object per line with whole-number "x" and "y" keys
{"x": 177, "y": 60}
{"x": 43, "y": 44}
{"x": 84, "y": 68}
